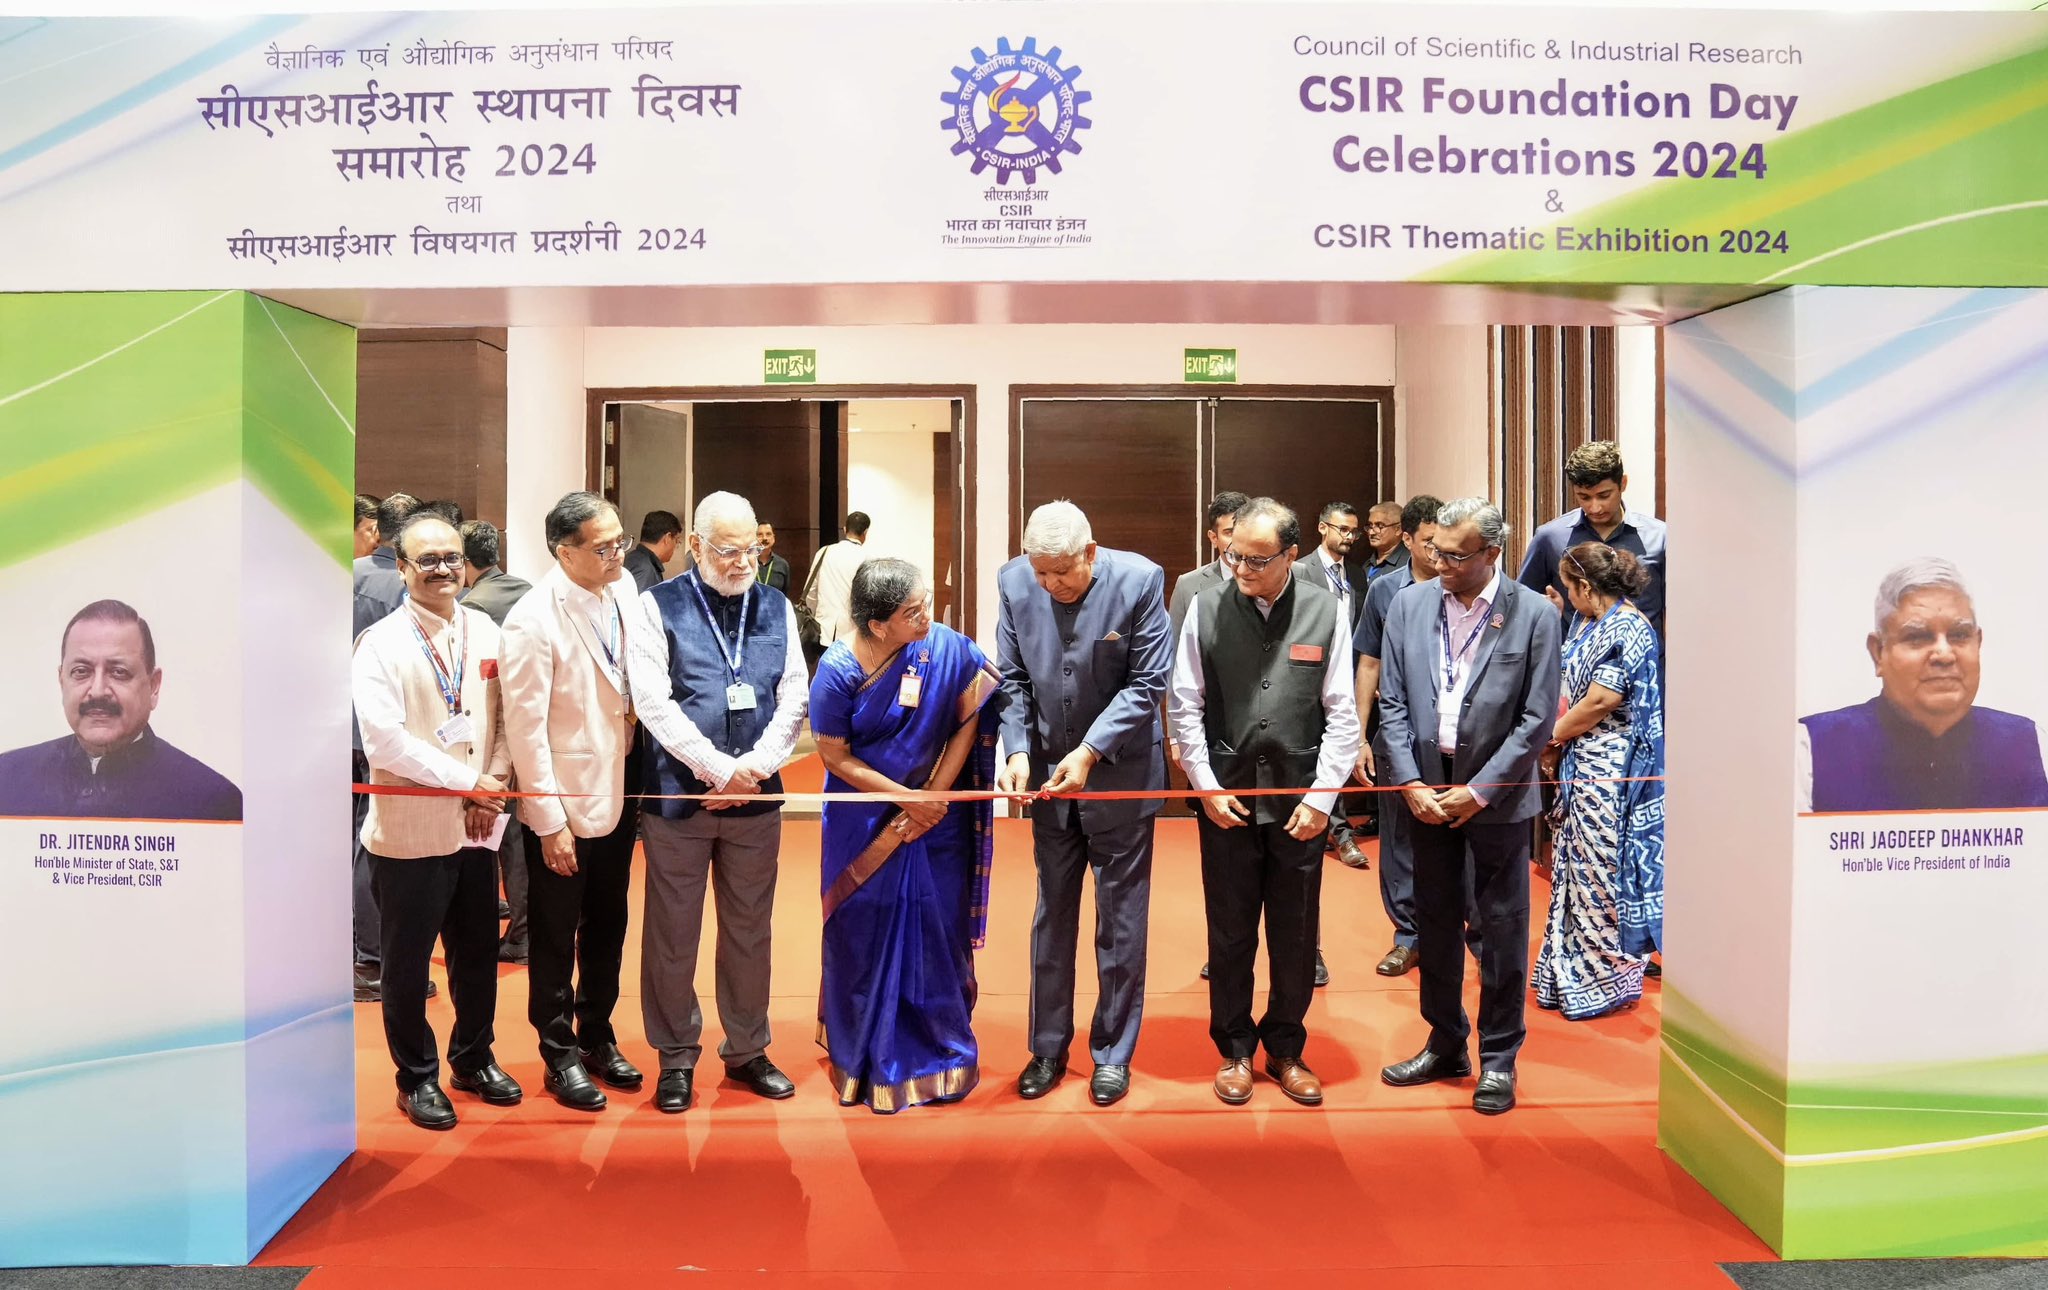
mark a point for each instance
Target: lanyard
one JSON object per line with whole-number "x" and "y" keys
{"x": 609, "y": 646}
{"x": 733, "y": 659}
{"x": 1443, "y": 616}
{"x": 1338, "y": 581}
{"x": 450, "y": 684}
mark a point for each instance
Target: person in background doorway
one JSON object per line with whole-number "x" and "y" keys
{"x": 569, "y": 720}
{"x": 1262, "y": 699}
{"x": 1468, "y": 695}
{"x": 1385, "y": 539}
{"x": 774, "y": 570}
{"x": 660, "y": 532}
{"x": 1220, "y": 521}
{"x": 447, "y": 510}
{"x": 379, "y": 589}
{"x": 720, "y": 684}
{"x": 1607, "y": 878}
{"x": 1338, "y": 528}
{"x": 1397, "y": 847}
{"x": 906, "y": 704}
{"x": 493, "y": 591}
{"x": 366, "y": 525}
{"x": 1598, "y": 481}
{"x": 426, "y": 688}
{"x": 1922, "y": 744}
{"x": 1084, "y": 649}
{"x": 378, "y": 585}
{"x": 831, "y": 581}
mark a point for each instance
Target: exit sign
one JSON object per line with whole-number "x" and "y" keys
{"x": 789, "y": 366}
{"x": 1216, "y": 365}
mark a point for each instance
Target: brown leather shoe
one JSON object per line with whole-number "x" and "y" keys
{"x": 1352, "y": 855}
{"x": 1234, "y": 1082}
{"x": 1398, "y": 960}
{"x": 1296, "y": 1080}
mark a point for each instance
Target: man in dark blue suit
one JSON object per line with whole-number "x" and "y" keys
{"x": 1469, "y": 675}
{"x": 1085, "y": 648}
{"x": 112, "y": 765}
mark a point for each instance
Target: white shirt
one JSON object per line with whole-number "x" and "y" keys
{"x": 832, "y": 591}
{"x": 604, "y": 611}
{"x": 654, "y": 699}
{"x": 1466, "y": 627}
{"x": 1324, "y": 562}
{"x": 380, "y": 702}
{"x": 1334, "y": 756}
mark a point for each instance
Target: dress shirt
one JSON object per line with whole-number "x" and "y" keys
{"x": 606, "y": 616}
{"x": 1339, "y": 748}
{"x": 1466, "y": 627}
{"x": 1380, "y": 566}
{"x": 654, "y": 699}
{"x": 1336, "y": 577}
{"x": 380, "y": 703}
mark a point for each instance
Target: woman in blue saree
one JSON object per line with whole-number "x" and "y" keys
{"x": 1607, "y": 878}
{"x": 904, "y": 705}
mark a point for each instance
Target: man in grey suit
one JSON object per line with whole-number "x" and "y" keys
{"x": 1222, "y": 519}
{"x": 493, "y": 591}
{"x": 1469, "y": 676}
{"x": 1083, "y": 645}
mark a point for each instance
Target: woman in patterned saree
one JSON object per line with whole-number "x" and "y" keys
{"x": 906, "y": 704}
{"x": 1607, "y": 880}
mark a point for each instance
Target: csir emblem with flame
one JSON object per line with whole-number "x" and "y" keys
{"x": 1016, "y": 110}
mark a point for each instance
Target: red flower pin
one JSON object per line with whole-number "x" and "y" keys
{"x": 488, "y": 669}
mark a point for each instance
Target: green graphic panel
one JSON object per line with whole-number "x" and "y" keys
{"x": 112, "y": 406}
{"x": 1937, "y": 186}
{"x": 299, "y": 390}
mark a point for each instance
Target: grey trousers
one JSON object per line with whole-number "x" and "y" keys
{"x": 737, "y": 854}
{"x": 1122, "y": 860}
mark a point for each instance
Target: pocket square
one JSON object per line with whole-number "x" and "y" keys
{"x": 1111, "y": 637}
{"x": 1305, "y": 653}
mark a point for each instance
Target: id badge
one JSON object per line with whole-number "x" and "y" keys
{"x": 455, "y": 730}
{"x": 908, "y": 692}
{"x": 739, "y": 697}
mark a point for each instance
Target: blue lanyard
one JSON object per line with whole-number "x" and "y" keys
{"x": 1443, "y": 616}
{"x": 450, "y": 684}
{"x": 609, "y": 646}
{"x": 1338, "y": 581}
{"x": 733, "y": 659}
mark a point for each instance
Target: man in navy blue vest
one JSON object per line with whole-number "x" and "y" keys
{"x": 1922, "y": 744}
{"x": 1082, "y": 641}
{"x": 719, "y": 681}
{"x": 112, "y": 766}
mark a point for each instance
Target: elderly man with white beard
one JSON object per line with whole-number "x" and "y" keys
{"x": 720, "y": 684}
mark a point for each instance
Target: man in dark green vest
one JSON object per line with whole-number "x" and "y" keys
{"x": 1262, "y": 699}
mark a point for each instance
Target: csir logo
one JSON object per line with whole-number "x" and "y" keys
{"x": 1016, "y": 110}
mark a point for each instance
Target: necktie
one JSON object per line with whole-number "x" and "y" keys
{"x": 1338, "y": 582}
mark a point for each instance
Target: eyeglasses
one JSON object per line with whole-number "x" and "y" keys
{"x": 614, "y": 550}
{"x": 1348, "y": 530}
{"x": 735, "y": 552}
{"x": 429, "y": 563}
{"x": 1452, "y": 558}
{"x": 1383, "y": 525}
{"x": 919, "y": 611}
{"x": 1250, "y": 563}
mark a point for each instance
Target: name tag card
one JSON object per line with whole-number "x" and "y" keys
{"x": 739, "y": 697}
{"x": 907, "y": 694}
{"x": 455, "y": 730}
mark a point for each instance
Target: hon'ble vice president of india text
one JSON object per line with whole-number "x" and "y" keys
{"x": 1922, "y": 744}
{"x": 112, "y": 765}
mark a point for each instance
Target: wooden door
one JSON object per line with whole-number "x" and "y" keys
{"x": 769, "y": 453}
{"x": 1302, "y": 452}
{"x": 1128, "y": 463}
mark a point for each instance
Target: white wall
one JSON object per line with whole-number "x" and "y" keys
{"x": 889, "y": 474}
{"x": 544, "y": 436}
{"x": 1441, "y": 407}
{"x": 1635, "y": 397}
{"x": 989, "y": 358}
{"x": 658, "y": 477}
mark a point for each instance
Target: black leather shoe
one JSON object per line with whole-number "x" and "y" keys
{"x": 428, "y": 1107}
{"x": 504, "y": 912}
{"x": 1040, "y": 1075}
{"x": 369, "y": 984}
{"x": 490, "y": 1083}
{"x": 1205, "y": 971}
{"x": 1495, "y": 1094}
{"x": 673, "y": 1093}
{"x": 570, "y": 1085}
{"x": 761, "y": 1077}
{"x": 1322, "y": 971}
{"x": 510, "y": 953}
{"x": 1426, "y": 1067}
{"x": 1109, "y": 1084}
{"x": 610, "y": 1065}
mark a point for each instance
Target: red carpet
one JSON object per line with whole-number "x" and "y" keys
{"x": 1379, "y": 1187}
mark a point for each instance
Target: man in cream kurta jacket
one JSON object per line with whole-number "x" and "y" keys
{"x": 425, "y": 683}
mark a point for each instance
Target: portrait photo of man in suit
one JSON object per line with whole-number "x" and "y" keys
{"x": 112, "y": 765}
{"x": 1922, "y": 744}
{"x": 1083, "y": 646}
